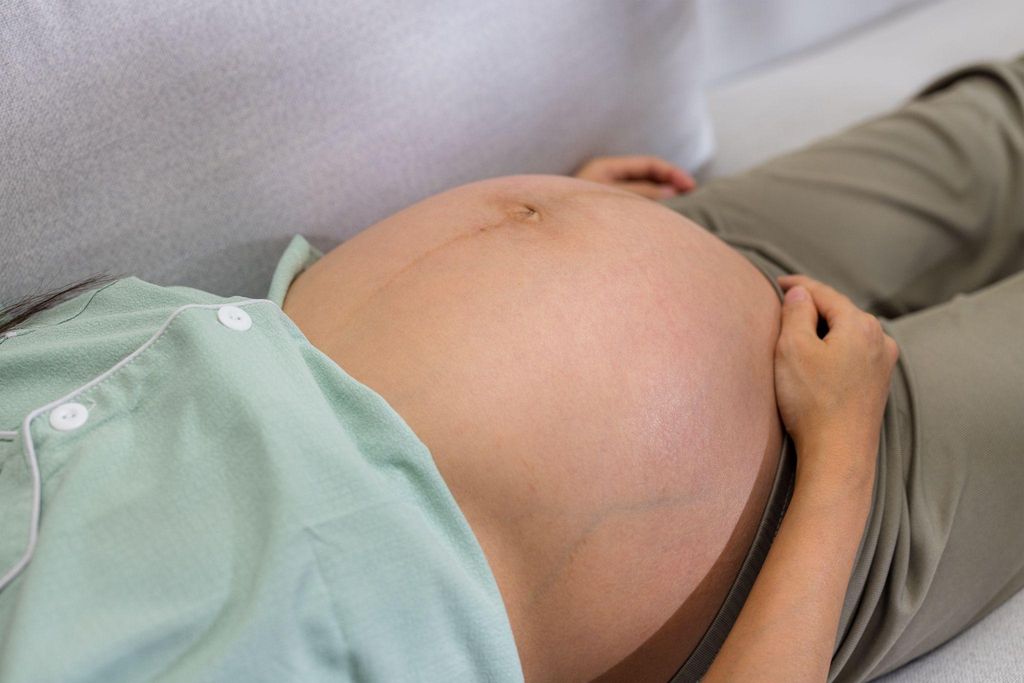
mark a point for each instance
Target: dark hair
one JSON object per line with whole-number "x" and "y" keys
{"x": 15, "y": 314}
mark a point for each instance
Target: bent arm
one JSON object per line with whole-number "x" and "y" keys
{"x": 831, "y": 393}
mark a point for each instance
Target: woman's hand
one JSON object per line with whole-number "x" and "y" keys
{"x": 833, "y": 390}
{"x": 831, "y": 394}
{"x": 647, "y": 176}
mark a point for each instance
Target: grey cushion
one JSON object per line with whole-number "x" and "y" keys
{"x": 184, "y": 141}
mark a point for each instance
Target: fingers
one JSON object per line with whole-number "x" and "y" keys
{"x": 837, "y": 309}
{"x": 799, "y": 315}
{"x": 649, "y": 170}
{"x": 834, "y": 306}
{"x": 643, "y": 167}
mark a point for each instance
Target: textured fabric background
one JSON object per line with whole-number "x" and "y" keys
{"x": 186, "y": 141}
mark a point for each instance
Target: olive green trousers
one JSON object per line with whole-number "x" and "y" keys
{"x": 918, "y": 216}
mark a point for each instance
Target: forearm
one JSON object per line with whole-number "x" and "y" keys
{"x": 787, "y": 628}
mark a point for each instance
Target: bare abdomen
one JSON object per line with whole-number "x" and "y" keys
{"x": 592, "y": 374}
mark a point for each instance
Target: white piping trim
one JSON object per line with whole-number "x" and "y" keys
{"x": 8, "y": 435}
{"x": 30, "y": 452}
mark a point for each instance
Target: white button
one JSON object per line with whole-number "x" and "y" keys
{"x": 68, "y": 416}
{"x": 234, "y": 318}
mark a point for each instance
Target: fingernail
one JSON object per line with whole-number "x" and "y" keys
{"x": 796, "y": 293}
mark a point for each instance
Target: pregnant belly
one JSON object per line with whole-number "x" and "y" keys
{"x": 592, "y": 374}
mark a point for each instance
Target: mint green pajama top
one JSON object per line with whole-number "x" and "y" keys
{"x": 190, "y": 491}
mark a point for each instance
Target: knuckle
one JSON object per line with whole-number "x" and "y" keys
{"x": 869, "y": 324}
{"x": 789, "y": 345}
{"x": 893, "y": 348}
{"x": 785, "y": 345}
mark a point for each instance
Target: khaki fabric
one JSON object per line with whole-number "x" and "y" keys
{"x": 918, "y": 216}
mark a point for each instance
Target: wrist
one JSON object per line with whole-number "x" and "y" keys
{"x": 836, "y": 466}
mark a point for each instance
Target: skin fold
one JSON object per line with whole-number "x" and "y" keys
{"x": 593, "y": 375}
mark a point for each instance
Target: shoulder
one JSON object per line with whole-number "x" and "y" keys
{"x": 65, "y": 346}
